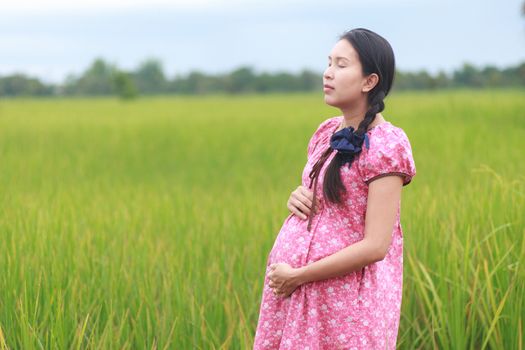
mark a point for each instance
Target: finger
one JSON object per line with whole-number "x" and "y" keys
{"x": 299, "y": 205}
{"x": 316, "y": 210}
{"x": 296, "y": 211}
{"x": 302, "y": 203}
{"x": 306, "y": 192}
{"x": 304, "y": 197}
{"x": 307, "y": 198}
{"x": 299, "y": 214}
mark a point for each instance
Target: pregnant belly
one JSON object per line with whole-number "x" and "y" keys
{"x": 297, "y": 247}
{"x": 291, "y": 244}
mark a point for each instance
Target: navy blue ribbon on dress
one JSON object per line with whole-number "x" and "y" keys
{"x": 348, "y": 143}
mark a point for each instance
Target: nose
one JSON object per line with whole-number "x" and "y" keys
{"x": 327, "y": 73}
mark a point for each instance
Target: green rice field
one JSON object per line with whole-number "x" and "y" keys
{"x": 147, "y": 224}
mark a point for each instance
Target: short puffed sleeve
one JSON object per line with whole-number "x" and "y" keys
{"x": 324, "y": 127}
{"x": 390, "y": 153}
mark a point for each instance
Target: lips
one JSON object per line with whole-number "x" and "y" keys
{"x": 326, "y": 86}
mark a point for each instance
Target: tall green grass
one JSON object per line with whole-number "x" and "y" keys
{"x": 146, "y": 225}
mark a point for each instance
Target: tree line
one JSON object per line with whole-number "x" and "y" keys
{"x": 104, "y": 79}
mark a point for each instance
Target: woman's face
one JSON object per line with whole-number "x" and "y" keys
{"x": 345, "y": 75}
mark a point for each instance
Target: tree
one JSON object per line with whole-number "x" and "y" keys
{"x": 22, "y": 85}
{"x": 96, "y": 80}
{"x": 468, "y": 75}
{"x": 241, "y": 80}
{"x": 125, "y": 86}
{"x": 150, "y": 78}
{"x": 310, "y": 81}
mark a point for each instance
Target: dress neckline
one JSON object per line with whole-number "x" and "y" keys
{"x": 341, "y": 118}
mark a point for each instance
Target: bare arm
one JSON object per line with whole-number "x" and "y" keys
{"x": 384, "y": 195}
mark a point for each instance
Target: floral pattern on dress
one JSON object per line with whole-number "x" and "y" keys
{"x": 359, "y": 310}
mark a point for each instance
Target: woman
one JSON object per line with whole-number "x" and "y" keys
{"x": 334, "y": 274}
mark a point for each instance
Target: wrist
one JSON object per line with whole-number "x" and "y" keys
{"x": 302, "y": 274}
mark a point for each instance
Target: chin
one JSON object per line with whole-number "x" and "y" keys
{"x": 330, "y": 101}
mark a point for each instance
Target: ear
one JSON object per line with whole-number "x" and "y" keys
{"x": 370, "y": 82}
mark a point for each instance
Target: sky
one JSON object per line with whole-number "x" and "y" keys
{"x": 54, "y": 38}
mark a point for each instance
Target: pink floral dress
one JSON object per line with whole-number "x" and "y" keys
{"x": 361, "y": 309}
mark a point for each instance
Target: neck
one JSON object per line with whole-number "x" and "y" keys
{"x": 378, "y": 120}
{"x": 354, "y": 115}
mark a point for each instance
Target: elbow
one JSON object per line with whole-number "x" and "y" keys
{"x": 378, "y": 255}
{"x": 378, "y": 251}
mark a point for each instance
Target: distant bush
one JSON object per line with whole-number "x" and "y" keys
{"x": 102, "y": 78}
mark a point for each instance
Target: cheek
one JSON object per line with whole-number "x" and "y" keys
{"x": 350, "y": 82}
{"x": 347, "y": 88}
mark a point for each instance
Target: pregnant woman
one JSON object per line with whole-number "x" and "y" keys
{"x": 334, "y": 275}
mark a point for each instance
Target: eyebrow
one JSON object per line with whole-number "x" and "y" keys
{"x": 339, "y": 57}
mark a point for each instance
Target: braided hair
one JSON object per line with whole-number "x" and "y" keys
{"x": 376, "y": 56}
{"x": 332, "y": 185}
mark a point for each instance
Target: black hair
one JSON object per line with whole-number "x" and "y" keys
{"x": 376, "y": 56}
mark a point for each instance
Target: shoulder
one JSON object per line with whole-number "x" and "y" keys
{"x": 389, "y": 136}
{"x": 389, "y": 152}
{"x": 328, "y": 124}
